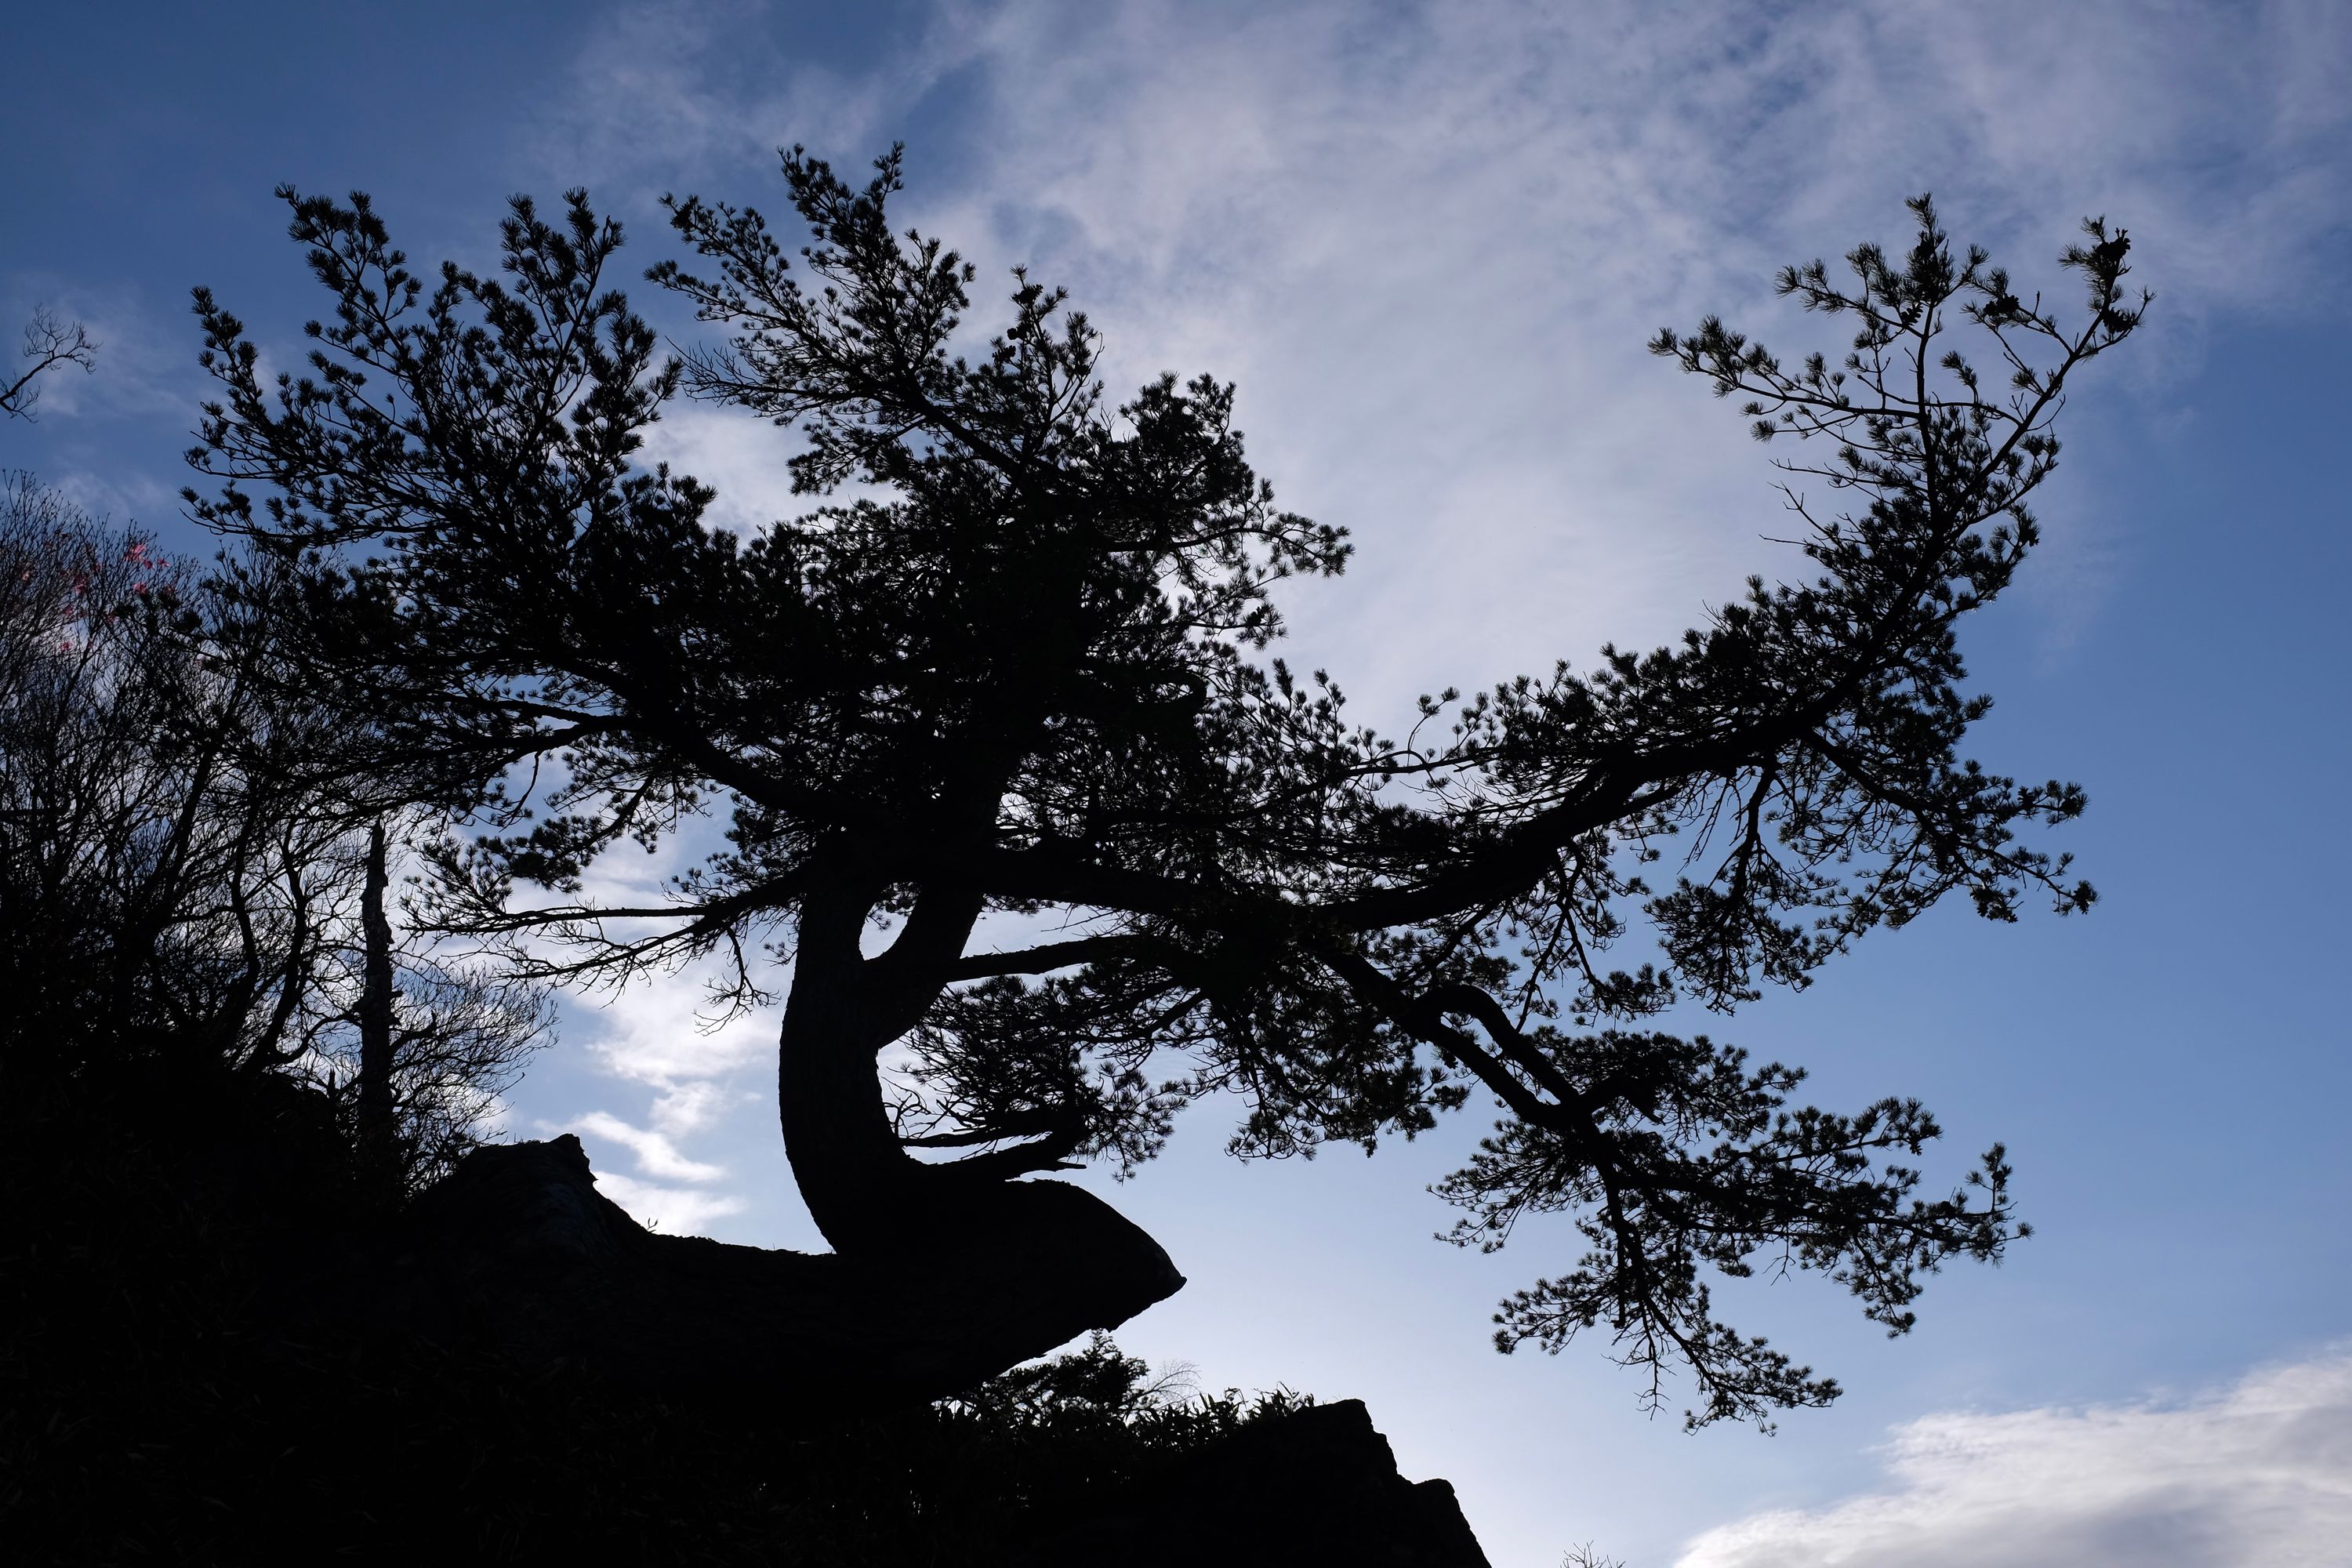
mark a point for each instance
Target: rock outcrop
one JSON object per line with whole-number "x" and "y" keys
{"x": 517, "y": 1255}
{"x": 517, "y": 1252}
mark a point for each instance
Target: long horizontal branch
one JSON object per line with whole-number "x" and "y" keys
{"x": 1055, "y": 955}
{"x": 1054, "y": 872}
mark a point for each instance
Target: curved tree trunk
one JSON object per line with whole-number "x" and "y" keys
{"x": 846, "y": 1160}
{"x": 991, "y": 1271}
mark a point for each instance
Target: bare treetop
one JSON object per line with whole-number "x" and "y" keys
{"x": 49, "y": 344}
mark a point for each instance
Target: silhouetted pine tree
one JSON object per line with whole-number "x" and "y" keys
{"x": 1007, "y": 675}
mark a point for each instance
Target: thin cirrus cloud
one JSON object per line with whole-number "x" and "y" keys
{"x": 1430, "y": 243}
{"x": 2256, "y": 1475}
{"x": 664, "y": 1029}
{"x": 1431, "y": 250}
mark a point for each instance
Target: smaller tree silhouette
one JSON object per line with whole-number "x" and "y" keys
{"x": 185, "y": 856}
{"x": 418, "y": 1047}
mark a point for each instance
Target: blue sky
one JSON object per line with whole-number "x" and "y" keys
{"x": 1429, "y": 243}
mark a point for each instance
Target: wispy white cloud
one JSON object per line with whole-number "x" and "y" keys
{"x": 664, "y": 1027}
{"x": 656, "y": 1031}
{"x": 2257, "y": 1476}
{"x": 748, "y": 457}
{"x": 678, "y": 1211}
{"x": 650, "y": 1042}
{"x": 657, "y": 1155}
{"x": 1430, "y": 247}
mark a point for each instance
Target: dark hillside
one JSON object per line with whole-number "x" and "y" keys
{"x": 204, "y": 1362}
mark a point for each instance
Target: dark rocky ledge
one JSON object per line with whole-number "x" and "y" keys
{"x": 517, "y": 1252}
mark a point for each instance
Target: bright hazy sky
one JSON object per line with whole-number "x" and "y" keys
{"x": 1429, "y": 242}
